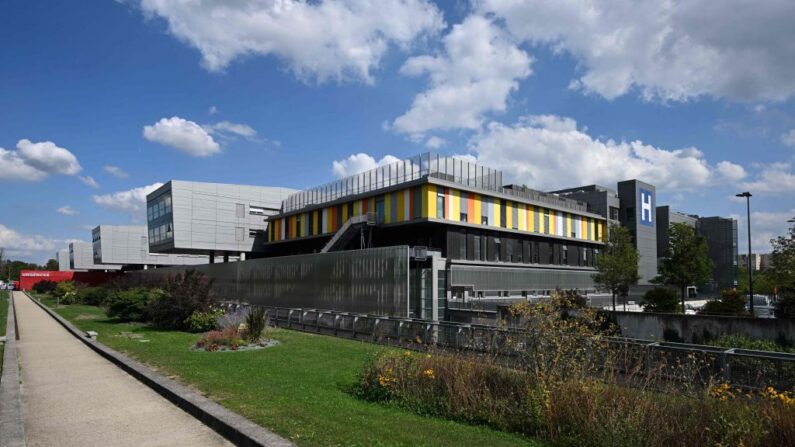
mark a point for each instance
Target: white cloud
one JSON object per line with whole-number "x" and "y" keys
{"x": 730, "y": 171}
{"x": 788, "y": 138}
{"x": 15, "y": 242}
{"x": 115, "y": 171}
{"x": 435, "y": 142}
{"x": 480, "y": 67}
{"x": 549, "y": 152}
{"x": 765, "y": 225}
{"x": 359, "y": 162}
{"x": 182, "y": 135}
{"x": 772, "y": 178}
{"x": 67, "y": 210}
{"x": 88, "y": 180}
{"x": 667, "y": 49}
{"x": 317, "y": 40}
{"x": 213, "y": 110}
{"x": 132, "y": 201}
{"x": 228, "y": 130}
{"x": 35, "y": 161}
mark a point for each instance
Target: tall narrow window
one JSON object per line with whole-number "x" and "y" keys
{"x": 440, "y": 206}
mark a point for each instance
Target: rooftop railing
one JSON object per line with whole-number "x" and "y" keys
{"x": 450, "y": 169}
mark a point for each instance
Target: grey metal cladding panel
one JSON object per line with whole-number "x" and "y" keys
{"x": 371, "y": 281}
{"x": 483, "y": 278}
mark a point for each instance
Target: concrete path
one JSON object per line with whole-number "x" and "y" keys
{"x": 73, "y": 397}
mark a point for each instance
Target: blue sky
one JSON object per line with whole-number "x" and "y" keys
{"x": 101, "y": 100}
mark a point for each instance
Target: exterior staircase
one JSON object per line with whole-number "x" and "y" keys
{"x": 348, "y": 230}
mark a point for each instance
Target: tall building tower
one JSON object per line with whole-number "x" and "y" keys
{"x": 638, "y": 214}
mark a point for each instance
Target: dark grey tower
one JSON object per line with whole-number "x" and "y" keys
{"x": 638, "y": 214}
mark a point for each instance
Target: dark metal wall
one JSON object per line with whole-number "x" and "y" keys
{"x": 485, "y": 278}
{"x": 373, "y": 281}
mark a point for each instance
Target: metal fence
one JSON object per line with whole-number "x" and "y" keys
{"x": 737, "y": 367}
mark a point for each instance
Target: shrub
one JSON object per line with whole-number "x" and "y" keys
{"x": 66, "y": 292}
{"x": 183, "y": 295}
{"x": 743, "y": 342}
{"x": 200, "y": 321}
{"x": 661, "y": 299}
{"x": 44, "y": 286}
{"x": 785, "y": 306}
{"x": 229, "y": 338}
{"x": 731, "y": 302}
{"x": 92, "y": 296}
{"x": 256, "y": 323}
{"x": 132, "y": 304}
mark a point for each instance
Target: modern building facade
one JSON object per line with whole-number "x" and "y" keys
{"x": 128, "y": 246}
{"x": 63, "y": 260}
{"x": 637, "y": 214}
{"x": 599, "y": 199}
{"x": 81, "y": 258}
{"x": 470, "y": 236}
{"x": 211, "y": 219}
{"x": 721, "y": 236}
{"x": 665, "y": 218}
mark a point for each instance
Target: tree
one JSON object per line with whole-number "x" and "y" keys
{"x": 763, "y": 283}
{"x": 782, "y": 273}
{"x": 617, "y": 264}
{"x": 731, "y": 302}
{"x": 661, "y": 299}
{"x": 52, "y": 264}
{"x": 685, "y": 262}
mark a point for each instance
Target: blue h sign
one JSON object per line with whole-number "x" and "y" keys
{"x": 646, "y": 207}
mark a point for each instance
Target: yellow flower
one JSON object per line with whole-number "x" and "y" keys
{"x": 407, "y": 354}
{"x": 428, "y": 373}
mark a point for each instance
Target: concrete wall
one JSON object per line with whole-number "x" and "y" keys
{"x": 81, "y": 257}
{"x": 698, "y": 328}
{"x": 128, "y": 245}
{"x": 63, "y": 260}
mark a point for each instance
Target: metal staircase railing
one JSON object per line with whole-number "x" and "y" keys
{"x": 355, "y": 221}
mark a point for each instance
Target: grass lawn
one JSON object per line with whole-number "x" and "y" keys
{"x": 297, "y": 389}
{"x": 3, "y": 317}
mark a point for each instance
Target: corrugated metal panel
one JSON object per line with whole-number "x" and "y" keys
{"x": 483, "y": 278}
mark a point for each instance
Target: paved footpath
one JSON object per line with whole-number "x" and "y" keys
{"x": 73, "y": 397}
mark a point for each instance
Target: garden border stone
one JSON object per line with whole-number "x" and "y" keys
{"x": 225, "y": 422}
{"x": 12, "y": 426}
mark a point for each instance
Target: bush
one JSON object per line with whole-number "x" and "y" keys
{"x": 92, "y": 296}
{"x": 731, "y": 302}
{"x": 203, "y": 321}
{"x": 65, "y": 292}
{"x": 743, "y": 342}
{"x": 44, "y": 286}
{"x": 132, "y": 304}
{"x": 785, "y": 306}
{"x": 228, "y": 338}
{"x": 661, "y": 299}
{"x": 183, "y": 295}
{"x": 255, "y": 324}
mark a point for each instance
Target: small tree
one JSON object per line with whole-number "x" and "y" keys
{"x": 52, "y": 264}
{"x": 782, "y": 273}
{"x": 661, "y": 299}
{"x": 617, "y": 264}
{"x": 731, "y": 302}
{"x": 686, "y": 262}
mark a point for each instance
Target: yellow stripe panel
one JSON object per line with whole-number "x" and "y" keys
{"x": 429, "y": 201}
{"x": 387, "y": 208}
{"x": 455, "y": 197}
{"x": 478, "y": 209}
{"x": 508, "y": 214}
{"x": 567, "y": 216}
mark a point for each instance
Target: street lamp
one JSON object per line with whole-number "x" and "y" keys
{"x": 747, "y": 196}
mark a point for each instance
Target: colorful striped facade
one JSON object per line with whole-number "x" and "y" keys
{"x": 434, "y": 202}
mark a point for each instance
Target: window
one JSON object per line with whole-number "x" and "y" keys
{"x": 240, "y": 210}
{"x": 298, "y": 226}
{"x": 613, "y": 213}
{"x": 565, "y": 255}
{"x": 256, "y": 210}
{"x": 498, "y": 249}
{"x": 379, "y": 209}
{"x": 484, "y": 220}
{"x": 464, "y": 217}
{"x": 573, "y": 234}
{"x": 253, "y": 233}
{"x": 476, "y": 247}
{"x": 440, "y": 206}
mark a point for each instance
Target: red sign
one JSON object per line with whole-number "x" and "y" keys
{"x": 27, "y": 278}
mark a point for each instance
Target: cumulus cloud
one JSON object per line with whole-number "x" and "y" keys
{"x": 772, "y": 178}
{"x": 17, "y": 243}
{"x": 228, "y": 130}
{"x": 788, "y": 138}
{"x": 765, "y": 225}
{"x": 435, "y": 142}
{"x": 183, "y": 135}
{"x": 317, "y": 40}
{"x": 667, "y": 49}
{"x": 480, "y": 67}
{"x": 132, "y": 201}
{"x": 356, "y": 163}
{"x": 88, "y": 180}
{"x": 35, "y": 161}
{"x": 730, "y": 171}
{"x": 115, "y": 171}
{"x": 67, "y": 211}
{"x": 548, "y": 152}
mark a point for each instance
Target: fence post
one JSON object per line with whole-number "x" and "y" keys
{"x": 353, "y": 326}
{"x": 374, "y": 335}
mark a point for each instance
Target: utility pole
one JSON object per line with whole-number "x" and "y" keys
{"x": 747, "y": 196}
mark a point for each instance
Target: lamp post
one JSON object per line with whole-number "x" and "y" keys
{"x": 747, "y": 196}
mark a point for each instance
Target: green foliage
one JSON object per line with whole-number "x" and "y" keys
{"x": 92, "y": 296}
{"x": 685, "y": 262}
{"x": 617, "y": 263}
{"x": 782, "y": 273}
{"x": 52, "y": 264}
{"x": 785, "y": 306}
{"x": 661, "y": 300}
{"x": 66, "y": 292}
{"x": 200, "y": 321}
{"x": 756, "y": 344}
{"x": 731, "y": 302}
{"x": 763, "y": 283}
{"x": 256, "y": 323}
{"x": 44, "y": 286}
{"x": 184, "y": 294}
{"x": 228, "y": 338}
{"x": 131, "y": 304}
